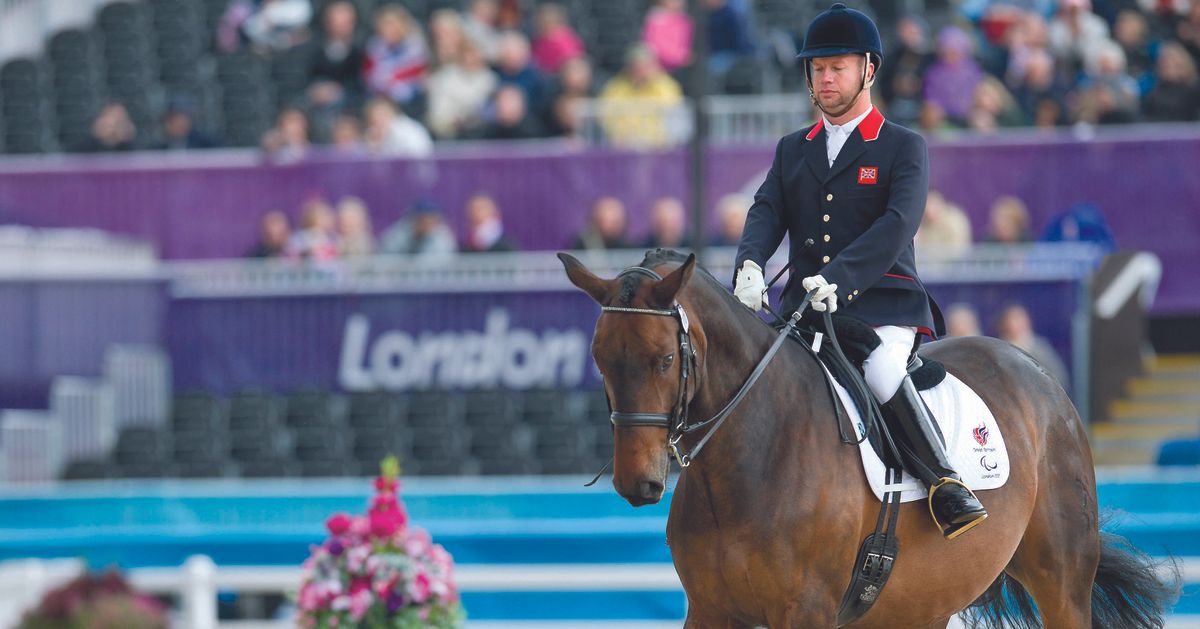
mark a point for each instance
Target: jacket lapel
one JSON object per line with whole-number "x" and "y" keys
{"x": 815, "y": 154}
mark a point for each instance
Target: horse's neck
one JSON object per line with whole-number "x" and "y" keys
{"x": 776, "y": 424}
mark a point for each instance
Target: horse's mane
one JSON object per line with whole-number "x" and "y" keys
{"x": 656, "y": 257}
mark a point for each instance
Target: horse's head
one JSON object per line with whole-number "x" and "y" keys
{"x": 637, "y": 346}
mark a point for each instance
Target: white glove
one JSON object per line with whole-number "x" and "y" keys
{"x": 750, "y": 289}
{"x": 826, "y": 296}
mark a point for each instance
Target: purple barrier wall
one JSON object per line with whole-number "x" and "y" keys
{"x": 54, "y": 328}
{"x": 457, "y": 341}
{"x": 1143, "y": 179}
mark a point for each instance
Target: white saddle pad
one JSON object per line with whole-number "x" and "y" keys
{"x": 974, "y": 444}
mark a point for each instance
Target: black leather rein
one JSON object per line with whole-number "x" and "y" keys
{"x": 676, "y": 421}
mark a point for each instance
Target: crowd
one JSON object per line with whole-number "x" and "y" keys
{"x": 387, "y": 84}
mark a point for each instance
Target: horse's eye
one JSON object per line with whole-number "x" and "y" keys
{"x": 667, "y": 361}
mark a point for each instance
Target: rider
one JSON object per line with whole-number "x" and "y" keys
{"x": 850, "y": 190}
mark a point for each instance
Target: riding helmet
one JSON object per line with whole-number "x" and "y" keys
{"x": 839, "y": 30}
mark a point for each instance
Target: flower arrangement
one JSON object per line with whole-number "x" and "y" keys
{"x": 96, "y": 601}
{"x": 376, "y": 571}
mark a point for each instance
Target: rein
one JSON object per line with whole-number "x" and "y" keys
{"x": 676, "y": 422}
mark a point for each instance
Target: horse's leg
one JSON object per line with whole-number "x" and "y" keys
{"x": 1057, "y": 558}
{"x": 698, "y": 618}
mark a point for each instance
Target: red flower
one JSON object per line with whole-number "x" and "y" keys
{"x": 384, "y": 484}
{"x": 385, "y": 523}
{"x": 358, "y": 585}
{"x": 339, "y": 523}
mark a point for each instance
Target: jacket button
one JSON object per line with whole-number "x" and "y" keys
{"x": 855, "y": 293}
{"x": 849, "y": 297}
{"x": 825, "y": 218}
{"x": 826, "y": 237}
{"x": 825, "y": 259}
{"x": 829, "y": 197}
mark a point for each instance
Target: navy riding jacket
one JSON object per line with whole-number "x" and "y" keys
{"x": 861, "y": 216}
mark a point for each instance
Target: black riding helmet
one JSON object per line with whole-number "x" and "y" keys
{"x": 839, "y": 30}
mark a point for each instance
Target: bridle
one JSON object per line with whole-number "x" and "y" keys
{"x": 676, "y": 422}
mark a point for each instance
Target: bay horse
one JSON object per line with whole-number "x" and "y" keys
{"x": 766, "y": 521}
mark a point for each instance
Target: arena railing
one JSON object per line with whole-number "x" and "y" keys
{"x": 541, "y": 270}
{"x": 751, "y": 118}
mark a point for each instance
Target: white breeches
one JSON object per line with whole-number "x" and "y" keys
{"x": 887, "y": 365}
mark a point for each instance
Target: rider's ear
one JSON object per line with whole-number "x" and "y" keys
{"x": 664, "y": 292}
{"x": 587, "y": 281}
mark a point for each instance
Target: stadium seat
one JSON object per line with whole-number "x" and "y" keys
{"x": 491, "y": 407}
{"x": 308, "y": 409}
{"x": 501, "y": 442}
{"x": 87, "y": 469}
{"x": 139, "y": 444}
{"x": 451, "y": 466}
{"x": 430, "y": 443}
{"x": 551, "y": 407}
{"x": 376, "y": 409}
{"x": 268, "y": 468}
{"x": 197, "y": 412}
{"x": 434, "y": 409}
{"x": 328, "y": 468}
{"x": 253, "y": 411}
{"x": 370, "y": 446}
{"x": 143, "y": 469}
{"x": 203, "y": 469}
{"x": 318, "y": 444}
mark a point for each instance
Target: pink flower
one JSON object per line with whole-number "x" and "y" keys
{"x": 384, "y": 524}
{"x": 338, "y": 524}
{"x": 418, "y": 543}
{"x": 383, "y": 484}
{"x": 359, "y": 585}
{"x": 360, "y": 603}
{"x": 360, "y": 526}
{"x": 419, "y": 589}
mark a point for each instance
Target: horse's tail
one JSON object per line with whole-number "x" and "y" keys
{"x": 1131, "y": 591}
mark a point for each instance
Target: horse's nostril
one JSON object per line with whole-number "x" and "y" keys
{"x": 650, "y": 490}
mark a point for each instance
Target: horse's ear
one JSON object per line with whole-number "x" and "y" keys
{"x": 665, "y": 291}
{"x": 587, "y": 281}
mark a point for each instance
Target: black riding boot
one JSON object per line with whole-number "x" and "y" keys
{"x": 953, "y": 506}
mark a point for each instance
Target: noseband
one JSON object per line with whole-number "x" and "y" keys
{"x": 676, "y": 422}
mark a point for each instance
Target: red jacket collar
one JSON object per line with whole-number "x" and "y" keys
{"x": 869, "y": 127}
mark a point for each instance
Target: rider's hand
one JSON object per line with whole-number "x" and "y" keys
{"x": 750, "y": 289}
{"x": 826, "y": 295}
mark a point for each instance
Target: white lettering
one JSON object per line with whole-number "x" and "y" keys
{"x": 516, "y": 358}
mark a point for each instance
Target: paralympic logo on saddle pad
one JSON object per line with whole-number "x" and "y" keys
{"x": 981, "y": 434}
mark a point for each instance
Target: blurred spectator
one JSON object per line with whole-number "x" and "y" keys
{"x": 274, "y": 231}
{"x": 1027, "y": 37}
{"x": 1039, "y": 94}
{"x": 1083, "y": 222}
{"x": 951, "y": 80}
{"x": 993, "y": 107}
{"x": 933, "y": 119}
{"x": 1176, "y": 93}
{"x": 514, "y": 68}
{"x": 112, "y": 130}
{"x": 564, "y": 115}
{"x": 635, "y": 103}
{"x": 728, "y": 35}
{"x": 354, "y": 228}
{"x": 1133, "y": 34}
{"x": 479, "y": 24}
{"x": 944, "y": 229}
{"x": 316, "y": 239}
{"x": 510, "y": 117}
{"x": 962, "y": 320}
{"x": 178, "y": 132}
{"x": 396, "y": 58}
{"x": 605, "y": 228}
{"x": 446, "y": 36}
{"x": 288, "y": 139}
{"x": 1076, "y": 33}
{"x": 335, "y": 68}
{"x": 485, "y": 227}
{"x": 900, "y": 79}
{"x": 1008, "y": 221}
{"x": 556, "y": 42}
{"x": 667, "y": 32}
{"x": 1015, "y": 327}
{"x": 668, "y": 225}
{"x": 565, "y": 118}
{"x": 422, "y": 233}
{"x": 731, "y": 214}
{"x": 459, "y": 91}
{"x": 391, "y": 132}
{"x": 347, "y": 135}
{"x": 1188, "y": 31}
{"x": 266, "y": 24}
{"x": 1108, "y": 95}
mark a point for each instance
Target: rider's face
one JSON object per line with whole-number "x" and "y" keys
{"x": 835, "y": 80}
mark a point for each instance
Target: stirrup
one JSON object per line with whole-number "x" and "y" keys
{"x": 951, "y": 531}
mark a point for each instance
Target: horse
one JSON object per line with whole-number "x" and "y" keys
{"x": 766, "y": 521}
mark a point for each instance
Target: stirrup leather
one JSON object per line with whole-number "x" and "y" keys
{"x": 951, "y": 531}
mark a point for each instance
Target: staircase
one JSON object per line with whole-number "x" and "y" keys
{"x": 1162, "y": 405}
